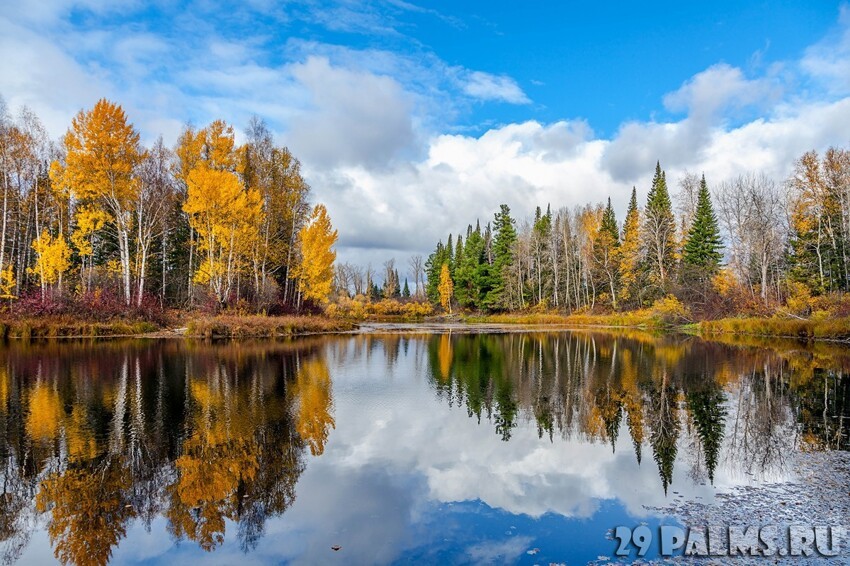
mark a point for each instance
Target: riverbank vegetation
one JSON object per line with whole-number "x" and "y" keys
{"x": 751, "y": 256}
{"x": 102, "y": 233}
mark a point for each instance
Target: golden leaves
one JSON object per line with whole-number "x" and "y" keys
{"x": 314, "y": 419}
{"x": 102, "y": 151}
{"x": 225, "y": 214}
{"x": 446, "y": 288}
{"x": 315, "y": 272}
{"x": 53, "y": 257}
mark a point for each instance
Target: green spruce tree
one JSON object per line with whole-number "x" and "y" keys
{"x": 659, "y": 233}
{"x": 504, "y": 238}
{"x": 702, "y": 253}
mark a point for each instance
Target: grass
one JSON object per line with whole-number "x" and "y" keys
{"x": 632, "y": 319}
{"x": 823, "y": 329}
{"x": 257, "y": 326}
{"x": 832, "y": 329}
{"x": 64, "y": 326}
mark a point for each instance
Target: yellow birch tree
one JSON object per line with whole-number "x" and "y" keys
{"x": 102, "y": 153}
{"x": 315, "y": 272}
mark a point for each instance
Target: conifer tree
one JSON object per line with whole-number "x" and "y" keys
{"x": 503, "y": 250}
{"x": 606, "y": 244}
{"x": 433, "y": 265}
{"x": 630, "y": 252}
{"x": 467, "y": 282}
{"x": 659, "y": 232}
{"x": 406, "y": 292}
{"x": 701, "y": 255}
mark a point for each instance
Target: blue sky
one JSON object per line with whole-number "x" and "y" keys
{"x": 414, "y": 119}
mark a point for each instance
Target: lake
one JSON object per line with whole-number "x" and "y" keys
{"x": 517, "y": 447}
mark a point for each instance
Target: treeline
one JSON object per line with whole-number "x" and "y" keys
{"x": 205, "y": 223}
{"x": 750, "y": 245}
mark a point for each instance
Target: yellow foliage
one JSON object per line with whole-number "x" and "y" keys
{"x": 315, "y": 271}
{"x": 670, "y": 310}
{"x": 90, "y": 219}
{"x": 7, "y": 282}
{"x": 445, "y": 356}
{"x": 724, "y": 282}
{"x": 226, "y": 218}
{"x": 799, "y": 298}
{"x": 45, "y": 413}
{"x": 102, "y": 152}
{"x": 314, "y": 419}
{"x": 629, "y": 255}
{"x": 446, "y": 288}
{"x": 53, "y": 257}
{"x": 89, "y": 512}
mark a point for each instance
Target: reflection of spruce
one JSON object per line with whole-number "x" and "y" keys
{"x": 506, "y": 409}
{"x": 634, "y": 418}
{"x": 545, "y": 419}
{"x": 664, "y": 430}
{"x": 709, "y": 416}
{"x": 611, "y": 409}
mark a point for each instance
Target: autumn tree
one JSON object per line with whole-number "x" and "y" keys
{"x": 224, "y": 214}
{"x": 315, "y": 270}
{"x": 446, "y": 288}
{"x": 52, "y": 259}
{"x": 819, "y": 221}
{"x": 630, "y": 257}
{"x": 102, "y": 152}
{"x": 276, "y": 174}
{"x": 315, "y": 404}
{"x": 606, "y": 251}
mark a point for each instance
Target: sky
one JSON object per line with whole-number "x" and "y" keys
{"x": 414, "y": 119}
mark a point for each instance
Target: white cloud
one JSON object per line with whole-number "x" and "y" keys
{"x": 720, "y": 87}
{"x": 370, "y": 125}
{"x": 492, "y": 87}
{"x": 356, "y": 117}
{"x": 828, "y": 61}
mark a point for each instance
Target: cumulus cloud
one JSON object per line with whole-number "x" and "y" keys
{"x": 492, "y": 87}
{"x": 828, "y": 61}
{"x": 370, "y": 125}
{"x": 356, "y": 117}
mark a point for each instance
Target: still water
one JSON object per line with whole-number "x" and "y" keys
{"x": 463, "y": 448}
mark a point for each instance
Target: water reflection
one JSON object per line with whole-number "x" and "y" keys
{"x": 206, "y": 443}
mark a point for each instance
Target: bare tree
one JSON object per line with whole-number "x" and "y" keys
{"x": 417, "y": 269}
{"x": 752, "y": 211}
{"x": 686, "y": 200}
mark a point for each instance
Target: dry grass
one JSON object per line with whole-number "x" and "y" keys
{"x": 258, "y": 326}
{"x": 834, "y": 329}
{"x": 64, "y": 326}
{"x": 642, "y": 318}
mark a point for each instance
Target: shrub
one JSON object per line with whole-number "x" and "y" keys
{"x": 670, "y": 310}
{"x": 359, "y": 308}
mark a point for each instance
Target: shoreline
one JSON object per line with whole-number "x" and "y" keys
{"x": 836, "y": 331}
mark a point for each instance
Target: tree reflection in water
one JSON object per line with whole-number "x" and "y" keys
{"x": 744, "y": 405}
{"x": 200, "y": 434}
{"x": 96, "y": 437}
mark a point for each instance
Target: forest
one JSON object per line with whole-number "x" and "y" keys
{"x": 96, "y": 225}
{"x": 99, "y": 224}
{"x": 748, "y": 246}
